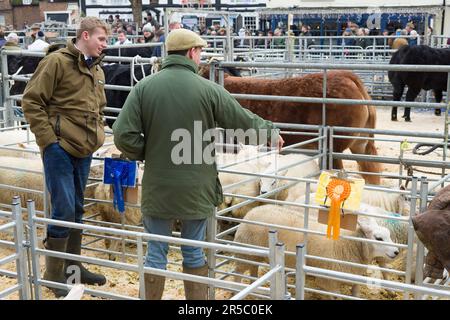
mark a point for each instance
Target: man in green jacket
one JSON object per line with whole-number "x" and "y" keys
{"x": 164, "y": 121}
{"x": 63, "y": 103}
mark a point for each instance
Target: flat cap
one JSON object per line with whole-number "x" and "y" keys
{"x": 183, "y": 39}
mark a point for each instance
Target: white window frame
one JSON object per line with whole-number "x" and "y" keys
{"x": 58, "y": 12}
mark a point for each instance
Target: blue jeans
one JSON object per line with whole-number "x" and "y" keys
{"x": 66, "y": 177}
{"x": 193, "y": 257}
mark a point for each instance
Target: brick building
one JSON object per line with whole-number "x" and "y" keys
{"x": 21, "y": 12}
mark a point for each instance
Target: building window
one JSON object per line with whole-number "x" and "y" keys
{"x": 250, "y": 23}
{"x": 2, "y": 20}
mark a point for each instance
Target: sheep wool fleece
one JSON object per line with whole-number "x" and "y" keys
{"x": 159, "y": 112}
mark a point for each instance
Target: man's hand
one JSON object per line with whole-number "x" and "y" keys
{"x": 279, "y": 143}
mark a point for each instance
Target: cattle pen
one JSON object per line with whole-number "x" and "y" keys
{"x": 279, "y": 281}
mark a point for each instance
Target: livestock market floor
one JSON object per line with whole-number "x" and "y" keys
{"x": 127, "y": 283}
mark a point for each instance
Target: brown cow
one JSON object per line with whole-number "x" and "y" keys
{"x": 340, "y": 84}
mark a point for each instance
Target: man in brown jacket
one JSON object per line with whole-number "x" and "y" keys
{"x": 63, "y": 103}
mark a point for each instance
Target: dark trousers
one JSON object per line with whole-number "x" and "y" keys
{"x": 66, "y": 177}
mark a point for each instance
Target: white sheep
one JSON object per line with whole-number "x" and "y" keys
{"x": 389, "y": 201}
{"x": 250, "y": 188}
{"x": 8, "y": 137}
{"x": 399, "y": 234}
{"x": 10, "y": 176}
{"x": 18, "y": 139}
{"x": 305, "y": 169}
{"x": 392, "y": 204}
{"x": 342, "y": 249}
{"x": 385, "y": 204}
{"x": 132, "y": 216}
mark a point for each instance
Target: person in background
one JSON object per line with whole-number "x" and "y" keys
{"x": 12, "y": 42}
{"x": 39, "y": 44}
{"x": 147, "y": 31}
{"x": 380, "y": 42}
{"x": 261, "y": 42}
{"x": 348, "y": 41}
{"x": 130, "y": 30}
{"x": 159, "y": 37}
{"x": 278, "y": 42}
{"x": 122, "y": 39}
{"x": 409, "y": 27}
{"x": 305, "y": 32}
{"x": 174, "y": 26}
{"x": 35, "y": 28}
{"x": 414, "y": 40}
{"x": 2, "y": 37}
{"x": 400, "y": 41}
{"x": 361, "y": 42}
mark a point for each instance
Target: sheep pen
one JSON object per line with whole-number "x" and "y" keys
{"x": 125, "y": 282}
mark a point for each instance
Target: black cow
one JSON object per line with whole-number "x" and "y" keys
{"x": 144, "y": 52}
{"x": 120, "y": 75}
{"x": 416, "y": 81}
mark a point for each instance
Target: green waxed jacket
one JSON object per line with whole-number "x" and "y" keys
{"x": 151, "y": 126}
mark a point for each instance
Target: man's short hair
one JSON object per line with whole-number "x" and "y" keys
{"x": 181, "y": 52}
{"x": 178, "y": 52}
{"x": 121, "y": 31}
{"x": 89, "y": 24}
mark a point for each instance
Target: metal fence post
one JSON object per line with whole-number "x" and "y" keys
{"x": 420, "y": 247}
{"x": 410, "y": 235}
{"x": 323, "y": 147}
{"x": 330, "y": 147}
{"x": 2, "y": 101}
{"x": 221, "y": 76}
{"x": 140, "y": 258}
{"x": 300, "y": 276}
{"x": 6, "y": 116}
{"x": 280, "y": 277}
{"x": 273, "y": 239}
{"x": 211, "y": 232}
{"x": 21, "y": 262}
{"x": 33, "y": 246}
{"x": 324, "y": 95}
{"x": 447, "y": 123}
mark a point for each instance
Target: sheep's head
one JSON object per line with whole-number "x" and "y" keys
{"x": 373, "y": 231}
{"x": 269, "y": 184}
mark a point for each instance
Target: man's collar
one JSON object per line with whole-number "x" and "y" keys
{"x": 85, "y": 56}
{"x": 172, "y": 60}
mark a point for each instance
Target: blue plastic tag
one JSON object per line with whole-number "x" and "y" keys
{"x": 127, "y": 169}
{"x": 120, "y": 173}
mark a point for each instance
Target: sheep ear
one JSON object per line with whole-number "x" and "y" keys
{"x": 21, "y": 145}
{"x": 402, "y": 187}
{"x": 366, "y": 224}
